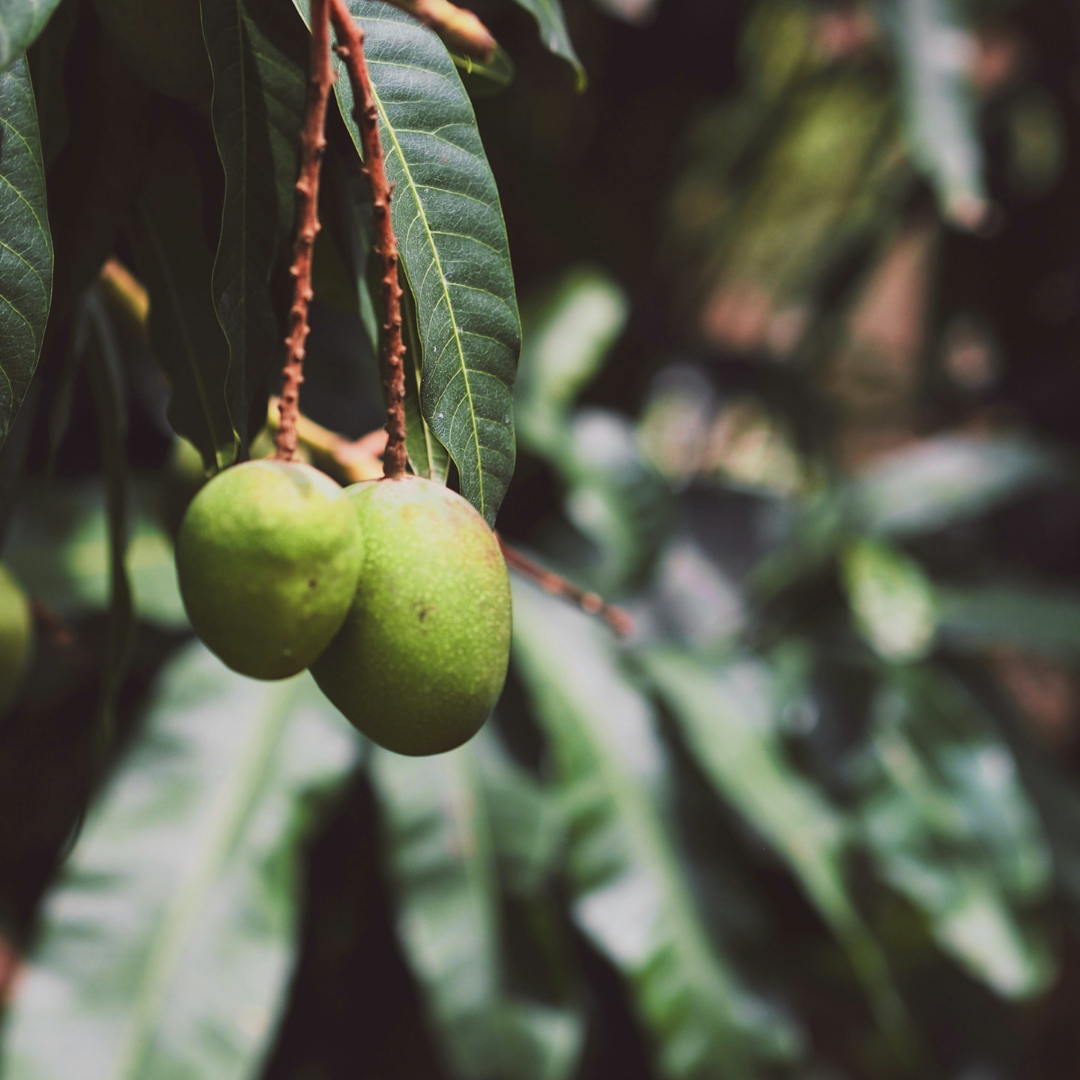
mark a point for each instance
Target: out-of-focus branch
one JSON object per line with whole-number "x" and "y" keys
{"x": 620, "y": 621}
{"x": 459, "y": 28}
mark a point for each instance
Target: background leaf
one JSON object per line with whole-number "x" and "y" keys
{"x": 26, "y": 253}
{"x": 167, "y": 946}
{"x": 555, "y": 35}
{"x": 439, "y": 845}
{"x": 258, "y": 52}
{"x": 176, "y": 264}
{"x": 630, "y": 897}
{"x": 20, "y": 23}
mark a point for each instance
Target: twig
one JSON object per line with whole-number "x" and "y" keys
{"x": 620, "y": 621}
{"x": 347, "y": 461}
{"x": 458, "y": 27}
{"x": 351, "y": 50}
{"x": 312, "y": 144}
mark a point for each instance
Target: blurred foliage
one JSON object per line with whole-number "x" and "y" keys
{"x": 801, "y": 306}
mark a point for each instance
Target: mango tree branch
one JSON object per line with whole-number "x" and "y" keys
{"x": 351, "y": 49}
{"x": 312, "y": 144}
{"x": 458, "y": 27}
{"x": 619, "y": 620}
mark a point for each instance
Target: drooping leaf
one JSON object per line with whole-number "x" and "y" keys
{"x": 258, "y": 53}
{"x": 950, "y": 828}
{"x": 567, "y": 336}
{"x": 450, "y": 229}
{"x": 630, "y": 895}
{"x": 26, "y": 253}
{"x": 176, "y": 265}
{"x": 167, "y": 945}
{"x": 891, "y": 599}
{"x": 20, "y": 23}
{"x": 103, "y": 366}
{"x": 727, "y": 716}
{"x": 427, "y": 456}
{"x": 555, "y": 35}
{"x": 944, "y": 480}
{"x": 934, "y": 50}
{"x": 442, "y": 864}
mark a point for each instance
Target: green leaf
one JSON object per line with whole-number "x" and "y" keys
{"x": 439, "y": 844}
{"x": 491, "y": 74}
{"x": 20, "y": 23}
{"x": 427, "y": 456}
{"x": 59, "y": 546}
{"x": 554, "y": 34}
{"x": 167, "y": 946}
{"x": 176, "y": 264}
{"x": 95, "y": 333}
{"x": 944, "y": 480}
{"x": 938, "y": 99}
{"x": 951, "y": 829}
{"x": 630, "y": 894}
{"x": 258, "y": 53}
{"x": 26, "y": 253}
{"x": 728, "y": 717}
{"x": 450, "y": 228}
{"x": 891, "y": 599}
{"x": 567, "y": 335}
{"x": 1036, "y": 620}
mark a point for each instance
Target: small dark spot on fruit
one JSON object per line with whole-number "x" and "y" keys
{"x": 311, "y": 584}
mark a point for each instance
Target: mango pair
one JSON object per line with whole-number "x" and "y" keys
{"x": 393, "y": 592}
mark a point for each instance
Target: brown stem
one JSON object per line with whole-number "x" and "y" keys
{"x": 312, "y": 144}
{"x": 458, "y": 27}
{"x": 620, "y": 621}
{"x": 351, "y": 50}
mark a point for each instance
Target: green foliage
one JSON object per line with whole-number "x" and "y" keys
{"x": 27, "y": 263}
{"x": 170, "y": 939}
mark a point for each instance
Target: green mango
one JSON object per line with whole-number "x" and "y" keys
{"x": 16, "y": 637}
{"x": 268, "y": 556}
{"x": 422, "y": 657}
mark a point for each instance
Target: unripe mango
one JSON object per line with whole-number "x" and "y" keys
{"x": 268, "y": 556}
{"x": 16, "y": 637}
{"x": 422, "y": 656}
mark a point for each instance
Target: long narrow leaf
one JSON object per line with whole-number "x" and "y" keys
{"x": 167, "y": 946}
{"x": 555, "y": 35}
{"x": 450, "y": 227}
{"x": 630, "y": 895}
{"x": 442, "y": 864}
{"x": 259, "y": 59}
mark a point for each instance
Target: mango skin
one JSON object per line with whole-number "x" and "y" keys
{"x": 421, "y": 659}
{"x": 268, "y": 556}
{"x": 16, "y": 637}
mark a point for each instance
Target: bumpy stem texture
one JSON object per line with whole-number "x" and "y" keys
{"x": 351, "y": 49}
{"x": 312, "y": 144}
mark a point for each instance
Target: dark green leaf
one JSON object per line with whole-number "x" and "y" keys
{"x": 728, "y": 718}
{"x": 497, "y": 71}
{"x": 427, "y": 456}
{"x": 630, "y": 894}
{"x": 258, "y": 52}
{"x": 46, "y": 60}
{"x": 20, "y": 23}
{"x": 26, "y": 253}
{"x": 167, "y": 945}
{"x": 554, "y": 34}
{"x": 104, "y": 368}
{"x": 443, "y": 867}
{"x": 176, "y": 265}
{"x": 450, "y": 228}
{"x": 951, "y": 828}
